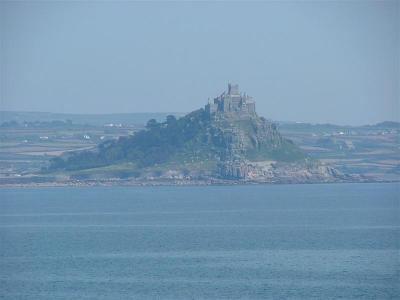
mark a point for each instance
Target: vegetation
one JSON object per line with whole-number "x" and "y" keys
{"x": 187, "y": 140}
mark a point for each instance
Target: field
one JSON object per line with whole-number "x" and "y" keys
{"x": 26, "y": 150}
{"x": 372, "y": 151}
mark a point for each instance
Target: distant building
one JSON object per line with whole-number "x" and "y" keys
{"x": 232, "y": 102}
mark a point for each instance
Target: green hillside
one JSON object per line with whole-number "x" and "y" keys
{"x": 195, "y": 139}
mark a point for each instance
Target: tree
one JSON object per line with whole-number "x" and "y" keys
{"x": 171, "y": 120}
{"x": 152, "y": 123}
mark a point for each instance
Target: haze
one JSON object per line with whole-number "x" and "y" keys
{"x": 334, "y": 62}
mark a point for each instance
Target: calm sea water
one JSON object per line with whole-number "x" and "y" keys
{"x": 241, "y": 242}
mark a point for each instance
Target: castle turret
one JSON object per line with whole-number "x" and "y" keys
{"x": 233, "y": 89}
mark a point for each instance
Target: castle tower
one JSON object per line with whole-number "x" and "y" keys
{"x": 233, "y": 89}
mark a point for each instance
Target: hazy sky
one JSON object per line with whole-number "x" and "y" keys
{"x": 309, "y": 61}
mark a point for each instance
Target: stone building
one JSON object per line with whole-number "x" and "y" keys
{"x": 232, "y": 102}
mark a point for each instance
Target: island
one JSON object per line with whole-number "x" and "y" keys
{"x": 224, "y": 142}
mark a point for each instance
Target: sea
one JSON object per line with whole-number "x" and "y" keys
{"x": 313, "y": 241}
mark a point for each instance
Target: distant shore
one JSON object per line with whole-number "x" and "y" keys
{"x": 205, "y": 182}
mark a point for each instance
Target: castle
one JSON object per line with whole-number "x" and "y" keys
{"x": 232, "y": 102}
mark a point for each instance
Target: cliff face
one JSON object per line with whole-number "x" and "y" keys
{"x": 254, "y": 138}
{"x": 272, "y": 171}
{"x": 255, "y": 150}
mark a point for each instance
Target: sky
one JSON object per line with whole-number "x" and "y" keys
{"x": 319, "y": 62}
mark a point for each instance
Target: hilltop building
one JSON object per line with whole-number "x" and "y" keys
{"x": 232, "y": 102}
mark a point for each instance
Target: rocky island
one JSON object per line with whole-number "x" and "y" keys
{"x": 224, "y": 142}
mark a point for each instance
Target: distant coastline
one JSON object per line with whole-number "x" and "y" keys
{"x": 206, "y": 182}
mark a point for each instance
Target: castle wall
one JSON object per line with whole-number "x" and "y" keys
{"x": 226, "y": 104}
{"x": 236, "y": 102}
{"x": 211, "y": 108}
{"x": 251, "y": 107}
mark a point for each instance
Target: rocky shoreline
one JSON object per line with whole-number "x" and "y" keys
{"x": 179, "y": 182}
{"x": 228, "y": 173}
